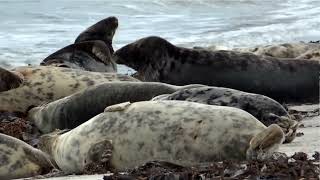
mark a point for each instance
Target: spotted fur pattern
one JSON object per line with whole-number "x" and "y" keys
{"x": 20, "y": 160}
{"x": 43, "y": 84}
{"x": 183, "y": 133}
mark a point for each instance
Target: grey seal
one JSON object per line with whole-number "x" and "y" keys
{"x": 265, "y": 109}
{"x": 71, "y": 111}
{"x": 285, "y": 80}
{"x": 103, "y": 30}
{"x": 20, "y": 160}
{"x": 185, "y": 133}
{"x": 44, "y": 84}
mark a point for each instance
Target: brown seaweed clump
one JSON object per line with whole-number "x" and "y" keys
{"x": 15, "y": 125}
{"x": 278, "y": 167}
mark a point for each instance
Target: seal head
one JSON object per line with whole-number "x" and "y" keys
{"x": 103, "y": 30}
{"x": 9, "y": 80}
{"x": 144, "y": 51}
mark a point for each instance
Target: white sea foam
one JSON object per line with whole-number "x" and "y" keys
{"x": 30, "y": 30}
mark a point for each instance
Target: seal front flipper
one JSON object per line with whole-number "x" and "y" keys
{"x": 289, "y": 126}
{"x": 263, "y": 144}
{"x": 117, "y": 107}
{"x": 9, "y": 80}
{"x": 99, "y": 157}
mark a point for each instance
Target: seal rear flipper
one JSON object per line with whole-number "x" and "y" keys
{"x": 160, "y": 97}
{"x": 98, "y": 159}
{"x": 117, "y": 107}
{"x": 263, "y": 144}
{"x": 9, "y": 80}
{"x": 46, "y": 164}
{"x": 289, "y": 126}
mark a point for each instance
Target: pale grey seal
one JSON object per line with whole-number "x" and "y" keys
{"x": 20, "y": 160}
{"x": 265, "y": 109}
{"x": 44, "y": 84}
{"x": 180, "y": 132}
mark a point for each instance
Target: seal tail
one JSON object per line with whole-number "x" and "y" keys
{"x": 263, "y": 144}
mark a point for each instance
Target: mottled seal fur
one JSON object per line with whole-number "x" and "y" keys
{"x": 155, "y": 59}
{"x": 43, "y": 84}
{"x": 265, "y": 109}
{"x": 71, "y": 111}
{"x": 285, "y": 50}
{"x": 20, "y": 160}
{"x": 180, "y": 132}
{"x": 103, "y": 30}
{"x": 88, "y": 55}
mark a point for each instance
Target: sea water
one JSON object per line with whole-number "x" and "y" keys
{"x": 30, "y": 30}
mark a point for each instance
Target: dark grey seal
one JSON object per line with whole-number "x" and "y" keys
{"x": 265, "y": 109}
{"x": 89, "y": 55}
{"x": 156, "y": 59}
{"x": 69, "y": 112}
{"x": 103, "y": 30}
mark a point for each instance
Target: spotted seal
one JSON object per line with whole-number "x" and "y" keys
{"x": 43, "y": 84}
{"x": 265, "y": 109}
{"x": 156, "y": 59}
{"x": 103, "y": 30}
{"x": 285, "y": 50}
{"x": 19, "y": 160}
{"x": 179, "y": 132}
{"x": 88, "y": 55}
{"x": 71, "y": 111}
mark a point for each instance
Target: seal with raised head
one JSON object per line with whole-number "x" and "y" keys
{"x": 185, "y": 133}
{"x": 20, "y": 160}
{"x": 88, "y": 55}
{"x": 44, "y": 84}
{"x": 156, "y": 59}
{"x": 103, "y": 30}
{"x": 71, "y": 111}
{"x": 265, "y": 109}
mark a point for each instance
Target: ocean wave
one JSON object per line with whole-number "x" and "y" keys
{"x": 31, "y": 30}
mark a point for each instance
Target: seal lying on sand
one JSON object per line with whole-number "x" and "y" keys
{"x": 71, "y": 111}
{"x": 103, "y": 30}
{"x": 88, "y": 55}
{"x": 43, "y": 84}
{"x": 155, "y": 59}
{"x": 265, "y": 109}
{"x": 20, "y": 160}
{"x": 313, "y": 54}
{"x": 286, "y": 50}
{"x": 180, "y": 132}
